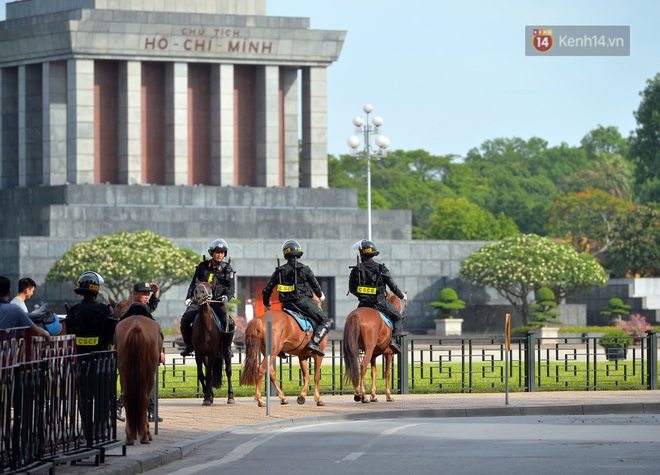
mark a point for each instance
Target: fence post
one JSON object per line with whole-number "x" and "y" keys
{"x": 530, "y": 365}
{"x": 652, "y": 359}
{"x": 403, "y": 365}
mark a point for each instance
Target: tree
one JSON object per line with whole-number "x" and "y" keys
{"x": 636, "y": 248}
{"x": 585, "y": 219}
{"x": 608, "y": 172}
{"x": 543, "y": 309}
{"x": 645, "y": 142}
{"x": 459, "y": 219}
{"x": 515, "y": 267}
{"x": 447, "y": 303}
{"x": 125, "y": 258}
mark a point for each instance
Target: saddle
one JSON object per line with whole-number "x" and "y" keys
{"x": 46, "y": 319}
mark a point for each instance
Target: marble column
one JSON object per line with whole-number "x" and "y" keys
{"x": 54, "y": 123}
{"x": 176, "y": 123}
{"x": 80, "y": 121}
{"x": 314, "y": 128}
{"x": 130, "y": 124}
{"x": 269, "y": 166}
{"x": 222, "y": 118}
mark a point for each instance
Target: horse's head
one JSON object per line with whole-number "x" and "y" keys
{"x": 203, "y": 292}
{"x": 399, "y": 304}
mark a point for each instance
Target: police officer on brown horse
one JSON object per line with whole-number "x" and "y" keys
{"x": 220, "y": 271}
{"x": 368, "y": 281}
{"x": 295, "y": 283}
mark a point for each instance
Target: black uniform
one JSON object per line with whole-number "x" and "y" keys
{"x": 93, "y": 323}
{"x": 208, "y": 271}
{"x": 368, "y": 281}
{"x": 296, "y": 284}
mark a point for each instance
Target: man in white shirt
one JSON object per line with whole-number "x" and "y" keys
{"x": 26, "y": 288}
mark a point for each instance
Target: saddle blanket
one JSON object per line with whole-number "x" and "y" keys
{"x": 305, "y": 325}
{"x": 386, "y": 320}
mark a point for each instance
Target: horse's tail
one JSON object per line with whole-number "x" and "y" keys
{"x": 254, "y": 335}
{"x": 141, "y": 377}
{"x": 352, "y": 349}
{"x": 217, "y": 372}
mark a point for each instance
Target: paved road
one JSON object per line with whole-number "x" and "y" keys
{"x": 493, "y": 445}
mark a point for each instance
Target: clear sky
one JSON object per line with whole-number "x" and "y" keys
{"x": 446, "y": 75}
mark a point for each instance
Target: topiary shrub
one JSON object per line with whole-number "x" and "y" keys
{"x": 542, "y": 312}
{"x": 615, "y": 308}
{"x": 447, "y": 303}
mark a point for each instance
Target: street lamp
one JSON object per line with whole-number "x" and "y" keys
{"x": 362, "y": 127}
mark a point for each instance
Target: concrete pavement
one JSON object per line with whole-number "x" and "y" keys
{"x": 187, "y": 424}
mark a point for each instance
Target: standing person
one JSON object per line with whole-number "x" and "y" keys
{"x": 249, "y": 311}
{"x": 296, "y": 284}
{"x": 368, "y": 281}
{"x": 208, "y": 271}
{"x": 145, "y": 301}
{"x": 12, "y": 316}
{"x": 92, "y": 322}
{"x": 26, "y": 288}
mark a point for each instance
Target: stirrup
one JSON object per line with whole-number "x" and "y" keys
{"x": 187, "y": 351}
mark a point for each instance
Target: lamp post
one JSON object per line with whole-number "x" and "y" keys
{"x": 368, "y": 131}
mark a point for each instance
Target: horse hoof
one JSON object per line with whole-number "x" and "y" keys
{"x": 285, "y": 401}
{"x": 365, "y": 401}
{"x": 320, "y": 403}
{"x": 231, "y": 401}
{"x": 374, "y": 399}
{"x": 261, "y": 404}
{"x": 356, "y": 398}
{"x": 206, "y": 402}
{"x": 300, "y": 400}
{"x": 390, "y": 399}
{"x": 130, "y": 441}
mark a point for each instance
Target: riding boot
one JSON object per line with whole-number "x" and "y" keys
{"x": 395, "y": 341}
{"x": 186, "y": 333}
{"x": 319, "y": 334}
{"x": 150, "y": 411}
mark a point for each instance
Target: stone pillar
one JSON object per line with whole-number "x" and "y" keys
{"x": 176, "y": 123}
{"x": 290, "y": 134}
{"x": 314, "y": 128}
{"x": 80, "y": 121}
{"x": 222, "y": 118}
{"x": 9, "y": 127}
{"x": 269, "y": 167}
{"x": 54, "y": 123}
{"x": 22, "y": 120}
{"x": 130, "y": 123}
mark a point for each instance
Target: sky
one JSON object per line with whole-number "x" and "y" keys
{"x": 446, "y": 76}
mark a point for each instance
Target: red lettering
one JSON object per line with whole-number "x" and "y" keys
{"x": 267, "y": 48}
{"x": 149, "y": 43}
{"x": 163, "y": 43}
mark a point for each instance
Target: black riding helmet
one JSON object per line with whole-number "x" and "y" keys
{"x": 89, "y": 283}
{"x": 291, "y": 249}
{"x": 366, "y": 248}
{"x": 218, "y": 245}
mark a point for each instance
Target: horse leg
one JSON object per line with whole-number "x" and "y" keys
{"x": 208, "y": 392}
{"x": 363, "y": 374}
{"x": 200, "y": 372}
{"x": 388, "y": 373}
{"x": 317, "y": 380}
{"x": 304, "y": 366}
{"x": 273, "y": 378}
{"x": 374, "y": 376}
{"x": 230, "y": 387}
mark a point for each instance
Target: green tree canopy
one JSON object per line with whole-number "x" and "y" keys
{"x": 125, "y": 258}
{"x": 515, "y": 267}
{"x": 636, "y": 248}
{"x": 586, "y": 219}
{"x": 459, "y": 219}
{"x": 645, "y": 142}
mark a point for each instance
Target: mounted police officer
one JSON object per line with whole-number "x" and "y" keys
{"x": 92, "y": 322}
{"x": 368, "y": 281}
{"x": 207, "y": 271}
{"x": 296, "y": 284}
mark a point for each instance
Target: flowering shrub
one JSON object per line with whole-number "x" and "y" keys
{"x": 636, "y": 326}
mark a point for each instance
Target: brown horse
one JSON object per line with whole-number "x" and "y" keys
{"x": 365, "y": 330}
{"x": 139, "y": 346}
{"x": 287, "y": 336}
{"x": 211, "y": 344}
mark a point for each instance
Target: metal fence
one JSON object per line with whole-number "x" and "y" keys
{"x": 55, "y": 406}
{"x": 455, "y": 364}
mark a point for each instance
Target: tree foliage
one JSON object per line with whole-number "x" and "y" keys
{"x": 458, "y": 219}
{"x": 515, "y": 267}
{"x": 125, "y": 258}
{"x": 636, "y": 248}
{"x": 645, "y": 142}
{"x": 586, "y": 219}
